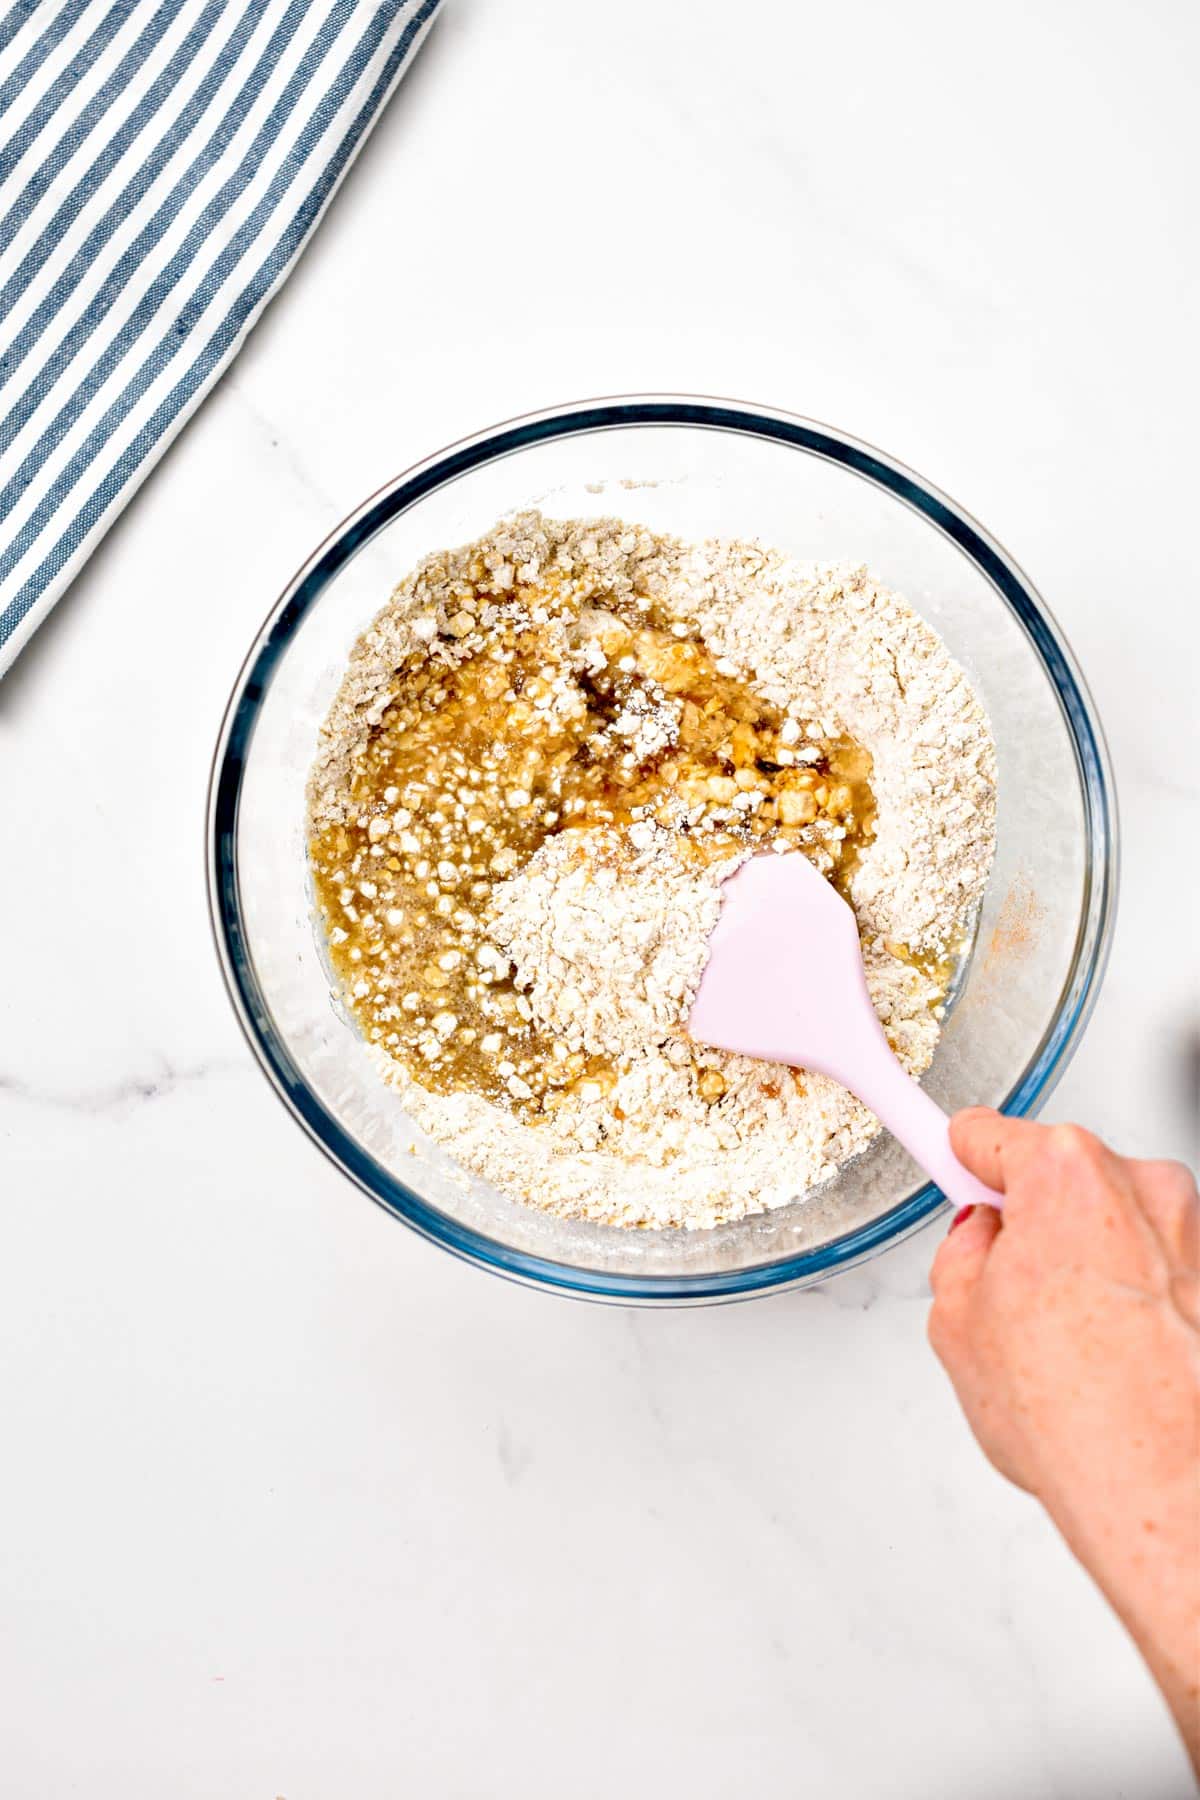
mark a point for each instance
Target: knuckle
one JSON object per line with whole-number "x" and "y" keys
{"x": 1074, "y": 1145}
{"x": 1174, "y": 1178}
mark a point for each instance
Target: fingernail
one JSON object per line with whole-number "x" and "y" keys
{"x": 964, "y": 1212}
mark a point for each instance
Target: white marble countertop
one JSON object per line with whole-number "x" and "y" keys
{"x": 293, "y": 1503}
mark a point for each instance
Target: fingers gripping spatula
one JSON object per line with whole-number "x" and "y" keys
{"x": 785, "y": 982}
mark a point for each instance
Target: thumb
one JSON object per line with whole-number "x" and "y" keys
{"x": 991, "y": 1146}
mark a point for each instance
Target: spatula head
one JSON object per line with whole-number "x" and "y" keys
{"x": 784, "y": 979}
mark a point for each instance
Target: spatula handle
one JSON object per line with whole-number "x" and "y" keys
{"x": 916, "y": 1119}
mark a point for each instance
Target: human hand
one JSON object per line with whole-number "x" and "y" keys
{"x": 1070, "y": 1328}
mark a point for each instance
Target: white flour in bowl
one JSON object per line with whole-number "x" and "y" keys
{"x": 601, "y": 932}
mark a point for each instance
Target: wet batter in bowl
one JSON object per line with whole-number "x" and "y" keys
{"x": 547, "y": 751}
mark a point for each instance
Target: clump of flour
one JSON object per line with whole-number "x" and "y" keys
{"x": 607, "y": 932}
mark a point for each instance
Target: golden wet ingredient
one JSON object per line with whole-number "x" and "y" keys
{"x": 541, "y": 720}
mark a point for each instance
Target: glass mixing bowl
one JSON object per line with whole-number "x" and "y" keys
{"x": 697, "y": 468}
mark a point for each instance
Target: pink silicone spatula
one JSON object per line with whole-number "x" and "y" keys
{"x": 785, "y": 982}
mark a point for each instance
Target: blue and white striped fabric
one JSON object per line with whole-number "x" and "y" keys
{"x": 162, "y": 165}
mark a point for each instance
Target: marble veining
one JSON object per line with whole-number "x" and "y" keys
{"x": 119, "y": 1095}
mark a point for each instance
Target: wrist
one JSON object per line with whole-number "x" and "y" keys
{"x": 1143, "y": 1552}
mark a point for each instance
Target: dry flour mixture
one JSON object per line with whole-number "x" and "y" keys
{"x": 547, "y": 751}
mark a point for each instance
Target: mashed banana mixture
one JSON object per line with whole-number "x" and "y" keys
{"x": 547, "y": 751}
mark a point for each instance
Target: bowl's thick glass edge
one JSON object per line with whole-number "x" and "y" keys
{"x": 1097, "y": 913}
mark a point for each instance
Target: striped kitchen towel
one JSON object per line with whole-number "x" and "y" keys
{"x": 162, "y": 165}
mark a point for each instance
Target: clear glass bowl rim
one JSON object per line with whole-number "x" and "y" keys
{"x": 404, "y": 491}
